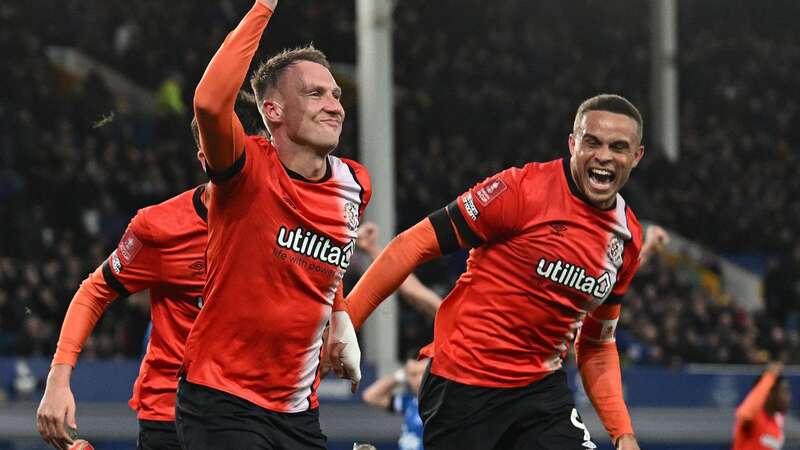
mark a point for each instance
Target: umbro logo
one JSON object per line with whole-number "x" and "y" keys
{"x": 558, "y": 229}
{"x": 289, "y": 201}
{"x": 198, "y": 268}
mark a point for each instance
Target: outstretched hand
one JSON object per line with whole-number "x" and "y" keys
{"x": 655, "y": 241}
{"x": 657, "y": 237}
{"x": 56, "y": 413}
{"x": 775, "y": 367}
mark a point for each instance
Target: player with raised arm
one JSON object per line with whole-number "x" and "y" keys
{"x": 760, "y": 417}
{"x": 283, "y": 215}
{"x": 554, "y": 248}
{"x": 162, "y": 250}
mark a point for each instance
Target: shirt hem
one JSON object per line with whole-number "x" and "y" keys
{"x": 248, "y": 398}
{"x": 487, "y": 383}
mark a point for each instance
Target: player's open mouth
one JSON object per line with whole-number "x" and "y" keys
{"x": 601, "y": 179}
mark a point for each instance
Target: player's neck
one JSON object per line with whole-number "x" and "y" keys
{"x": 306, "y": 161}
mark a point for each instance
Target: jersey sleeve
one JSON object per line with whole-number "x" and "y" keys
{"x": 600, "y": 325}
{"x": 598, "y": 364}
{"x": 755, "y": 400}
{"x": 135, "y": 264}
{"x": 404, "y": 253}
{"x": 490, "y": 210}
{"x": 222, "y": 136}
{"x": 87, "y": 305}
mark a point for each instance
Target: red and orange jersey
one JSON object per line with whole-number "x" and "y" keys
{"x": 755, "y": 428}
{"x": 764, "y": 432}
{"x": 163, "y": 250}
{"x": 543, "y": 258}
{"x": 278, "y": 248}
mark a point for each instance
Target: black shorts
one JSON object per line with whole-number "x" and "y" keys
{"x": 207, "y": 419}
{"x": 157, "y": 435}
{"x": 540, "y": 416}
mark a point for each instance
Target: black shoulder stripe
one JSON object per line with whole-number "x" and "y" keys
{"x": 230, "y": 172}
{"x": 613, "y": 300}
{"x": 461, "y": 225}
{"x": 445, "y": 234}
{"x": 113, "y": 282}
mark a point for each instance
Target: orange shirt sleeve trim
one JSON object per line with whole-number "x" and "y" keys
{"x": 222, "y": 136}
{"x": 755, "y": 400}
{"x": 85, "y": 309}
{"x": 598, "y": 363}
{"x": 406, "y": 251}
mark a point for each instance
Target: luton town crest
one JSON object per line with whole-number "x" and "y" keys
{"x": 614, "y": 251}
{"x": 351, "y": 215}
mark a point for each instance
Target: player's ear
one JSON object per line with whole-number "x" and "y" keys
{"x": 273, "y": 111}
{"x": 571, "y": 143}
{"x": 202, "y": 158}
{"x": 639, "y": 155}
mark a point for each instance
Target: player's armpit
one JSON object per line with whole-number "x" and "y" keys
{"x": 86, "y": 307}
{"x": 598, "y": 363}
{"x": 404, "y": 253}
{"x": 222, "y": 136}
{"x": 755, "y": 400}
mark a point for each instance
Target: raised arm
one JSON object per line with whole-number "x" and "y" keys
{"x": 221, "y": 134}
{"x": 412, "y": 289}
{"x": 757, "y": 398}
{"x": 132, "y": 267}
{"x": 403, "y": 254}
{"x": 379, "y": 393}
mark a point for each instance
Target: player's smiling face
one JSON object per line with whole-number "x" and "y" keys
{"x": 312, "y": 114}
{"x": 605, "y": 147}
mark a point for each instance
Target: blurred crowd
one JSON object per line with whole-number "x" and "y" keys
{"x": 494, "y": 88}
{"x": 676, "y": 313}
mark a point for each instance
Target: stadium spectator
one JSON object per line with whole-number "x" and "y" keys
{"x": 383, "y": 393}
